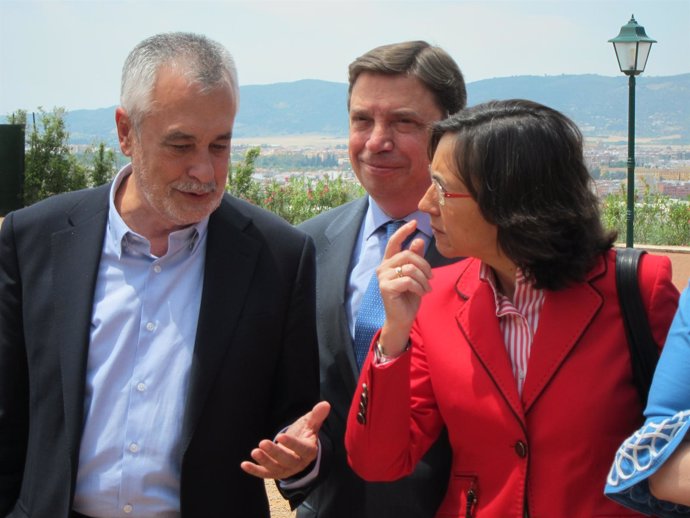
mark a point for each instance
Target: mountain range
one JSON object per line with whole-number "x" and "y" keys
{"x": 598, "y": 104}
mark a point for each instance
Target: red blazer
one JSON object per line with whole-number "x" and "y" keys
{"x": 544, "y": 454}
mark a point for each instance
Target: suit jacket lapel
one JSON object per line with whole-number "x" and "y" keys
{"x": 230, "y": 261}
{"x": 75, "y": 256}
{"x": 478, "y": 322}
{"x": 564, "y": 318}
{"x": 334, "y": 268}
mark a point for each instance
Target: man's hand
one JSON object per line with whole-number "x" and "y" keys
{"x": 293, "y": 450}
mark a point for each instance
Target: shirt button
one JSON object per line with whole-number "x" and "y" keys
{"x": 150, "y": 326}
{"x": 128, "y": 508}
{"x": 157, "y": 268}
{"x": 134, "y": 447}
{"x": 141, "y": 387}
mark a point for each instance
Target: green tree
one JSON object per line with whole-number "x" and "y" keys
{"x": 103, "y": 167}
{"x": 240, "y": 181}
{"x": 50, "y": 168}
{"x": 18, "y": 117}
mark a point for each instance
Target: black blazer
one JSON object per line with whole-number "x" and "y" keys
{"x": 343, "y": 494}
{"x": 254, "y": 370}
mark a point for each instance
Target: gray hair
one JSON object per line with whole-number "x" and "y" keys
{"x": 200, "y": 59}
{"x": 431, "y": 65}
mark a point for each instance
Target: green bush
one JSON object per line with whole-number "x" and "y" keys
{"x": 658, "y": 219}
{"x": 300, "y": 198}
{"x": 295, "y": 198}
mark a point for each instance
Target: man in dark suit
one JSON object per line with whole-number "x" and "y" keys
{"x": 395, "y": 92}
{"x": 155, "y": 330}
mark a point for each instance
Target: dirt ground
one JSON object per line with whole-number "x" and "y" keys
{"x": 279, "y": 506}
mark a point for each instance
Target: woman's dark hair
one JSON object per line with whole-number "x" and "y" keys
{"x": 523, "y": 164}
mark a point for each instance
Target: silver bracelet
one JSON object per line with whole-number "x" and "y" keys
{"x": 382, "y": 357}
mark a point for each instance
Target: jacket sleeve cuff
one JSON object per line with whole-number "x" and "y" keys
{"x": 639, "y": 457}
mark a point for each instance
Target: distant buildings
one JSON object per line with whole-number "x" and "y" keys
{"x": 661, "y": 168}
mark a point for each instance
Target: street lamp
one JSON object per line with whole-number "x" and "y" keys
{"x": 632, "y": 46}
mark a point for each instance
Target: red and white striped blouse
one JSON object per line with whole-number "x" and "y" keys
{"x": 518, "y": 319}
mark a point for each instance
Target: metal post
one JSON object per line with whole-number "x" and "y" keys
{"x": 630, "y": 217}
{"x": 11, "y": 167}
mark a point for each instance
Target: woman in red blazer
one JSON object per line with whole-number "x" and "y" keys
{"x": 519, "y": 350}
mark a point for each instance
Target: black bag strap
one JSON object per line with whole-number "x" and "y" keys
{"x": 644, "y": 352}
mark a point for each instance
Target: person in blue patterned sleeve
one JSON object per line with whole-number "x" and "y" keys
{"x": 651, "y": 469}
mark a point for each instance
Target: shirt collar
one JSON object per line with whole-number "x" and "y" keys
{"x": 124, "y": 238}
{"x": 375, "y": 217}
{"x": 487, "y": 275}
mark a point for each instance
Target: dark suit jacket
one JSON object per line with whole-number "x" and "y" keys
{"x": 342, "y": 493}
{"x": 255, "y": 365}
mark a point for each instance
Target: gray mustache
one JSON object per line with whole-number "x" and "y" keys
{"x": 196, "y": 188}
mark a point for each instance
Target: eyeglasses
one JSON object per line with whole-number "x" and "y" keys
{"x": 443, "y": 194}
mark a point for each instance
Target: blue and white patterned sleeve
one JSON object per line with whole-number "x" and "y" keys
{"x": 639, "y": 457}
{"x": 667, "y": 424}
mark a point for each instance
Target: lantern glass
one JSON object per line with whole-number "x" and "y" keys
{"x": 626, "y": 52}
{"x": 642, "y": 54}
{"x": 632, "y": 48}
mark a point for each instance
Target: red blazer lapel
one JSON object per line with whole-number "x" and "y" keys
{"x": 566, "y": 315}
{"x": 478, "y": 323}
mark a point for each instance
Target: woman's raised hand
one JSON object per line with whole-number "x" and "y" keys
{"x": 403, "y": 277}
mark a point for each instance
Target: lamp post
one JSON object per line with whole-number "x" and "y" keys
{"x": 632, "y": 46}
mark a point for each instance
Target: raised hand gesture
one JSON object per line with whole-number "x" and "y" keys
{"x": 403, "y": 279}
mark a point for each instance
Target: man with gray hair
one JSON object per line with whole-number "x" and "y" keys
{"x": 396, "y": 91}
{"x": 154, "y": 331}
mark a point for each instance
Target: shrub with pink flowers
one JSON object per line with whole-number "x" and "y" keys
{"x": 295, "y": 198}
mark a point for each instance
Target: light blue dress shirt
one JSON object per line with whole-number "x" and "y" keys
{"x": 368, "y": 252}
{"x": 142, "y": 337}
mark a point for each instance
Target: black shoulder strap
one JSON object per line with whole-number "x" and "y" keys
{"x": 644, "y": 352}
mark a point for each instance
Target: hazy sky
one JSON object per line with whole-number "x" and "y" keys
{"x": 70, "y": 53}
